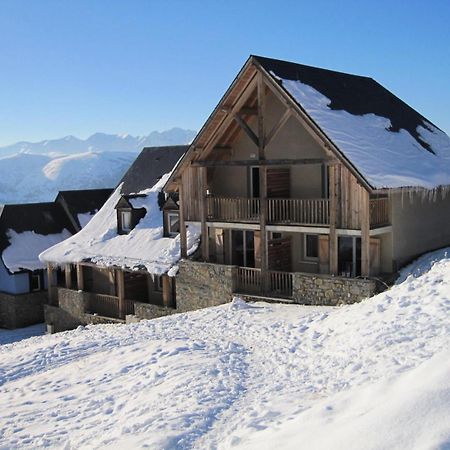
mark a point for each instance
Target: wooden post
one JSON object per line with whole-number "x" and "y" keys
{"x": 203, "y": 209}
{"x": 262, "y": 184}
{"x": 80, "y": 277}
{"x": 68, "y": 276}
{"x": 333, "y": 221}
{"x": 167, "y": 290}
{"x": 365, "y": 234}
{"x": 121, "y": 292}
{"x": 183, "y": 236}
{"x": 50, "y": 284}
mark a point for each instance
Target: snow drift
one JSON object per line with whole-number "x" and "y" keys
{"x": 369, "y": 375}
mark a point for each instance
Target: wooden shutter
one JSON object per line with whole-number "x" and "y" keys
{"x": 279, "y": 183}
{"x": 324, "y": 253}
{"x": 375, "y": 256}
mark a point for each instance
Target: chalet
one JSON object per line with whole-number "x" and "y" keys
{"x": 305, "y": 185}
{"x": 121, "y": 263}
{"x": 309, "y": 185}
{"x": 25, "y": 231}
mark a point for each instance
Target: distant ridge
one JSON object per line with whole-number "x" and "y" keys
{"x": 101, "y": 142}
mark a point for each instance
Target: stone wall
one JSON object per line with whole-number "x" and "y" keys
{"x": 21, "y": 310}
{"x": 149, "y": 311}
{"x": 200, "y": 285}
{"x": 314, "y": 289}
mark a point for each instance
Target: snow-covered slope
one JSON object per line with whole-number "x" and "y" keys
{"x": 101, "y": 142}
{"x": 28, "y": 178}
{"x": 370, "y": 375}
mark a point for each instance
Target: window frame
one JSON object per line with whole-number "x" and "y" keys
{"x": 39, "y": 282}
{"x": 170, "y": 214}
{"x": 306, "y": 257}
{"x": 126, "y": 213}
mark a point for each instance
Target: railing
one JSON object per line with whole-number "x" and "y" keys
{"x": 109, "y": 306}
{"x": 299, "y": 211}
{"x": 280, "y": 284}
{"x": 272, "y": 283}
{"x": 379, "y": 211}
{"x": 233, "y": 209}
{"x": 103, "y": 305}
{"x": 249, "y": 280}
{"x": 290, "y": 210}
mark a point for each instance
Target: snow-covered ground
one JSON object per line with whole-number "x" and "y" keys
{"x": 374, "y": 375}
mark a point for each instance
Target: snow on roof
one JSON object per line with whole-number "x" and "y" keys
{"x": 385, "y": 158}
{"x": 24, "y": 249}
{"x": 144, "y": 247}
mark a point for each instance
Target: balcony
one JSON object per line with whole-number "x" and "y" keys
{"x": 279, "y": 211}
{"x": 272, "y": 283}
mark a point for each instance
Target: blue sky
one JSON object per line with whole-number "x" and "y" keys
{"x": 78, "y": 67}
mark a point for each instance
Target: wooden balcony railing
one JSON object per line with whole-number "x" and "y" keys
{"x": 108, "y": 306}
{"x": 103, "y": 305}
{"x": 299, "y": 211}
{"x": 280, "y": 211}
{"x": 379, "y": 212}
{"x": 272, "y": 283}
{"x": 233, "y": 209}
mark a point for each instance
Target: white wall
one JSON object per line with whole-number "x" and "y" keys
{"x": 18, "y": 283}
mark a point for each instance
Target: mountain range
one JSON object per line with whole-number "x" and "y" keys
{"x": 100, "y": 142}
{"x": 35, "y": 172}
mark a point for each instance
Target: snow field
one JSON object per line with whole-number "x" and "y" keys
{"x": 243, "y": 376}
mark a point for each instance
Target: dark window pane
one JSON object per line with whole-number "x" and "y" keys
{"x": 312, "y": 246}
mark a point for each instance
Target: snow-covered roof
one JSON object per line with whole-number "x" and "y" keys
{"x": 143, "y": 248}
{"x": 389, "y": 143}
{"x": 27, "y": 230}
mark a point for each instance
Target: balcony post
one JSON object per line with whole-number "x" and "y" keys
{"x": 333, "y": 253}
{"x": 183, "y": 236}
{"x": 50, "y": 283}
{"x": 80, "y": 277}
{"x": 121, "y": 292}
{"x": 203, "y": 210}
{"x": 68, "y": 276}
{"x": 365, "y": 234}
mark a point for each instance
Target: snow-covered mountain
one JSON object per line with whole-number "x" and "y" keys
{"x": 35, "y": 172}
{"x": 372, "y": 375}
{"x": 101, "y": 142}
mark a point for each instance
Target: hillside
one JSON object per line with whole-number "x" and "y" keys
{"x": 29, "y": 178}
{"x": 370, "y": 375}
{"x": 35, "y": 172}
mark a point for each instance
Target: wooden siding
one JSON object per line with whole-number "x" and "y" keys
{"x": 190, "y": 180}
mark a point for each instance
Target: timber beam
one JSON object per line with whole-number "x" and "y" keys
{"x": 261, "y": 162}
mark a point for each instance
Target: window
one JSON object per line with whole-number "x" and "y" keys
{"x": 125, "y": 218}
{"x": 275, "y": 235}
{"x": 173, "y": 223}
{"x": 311, "y": 246}
{"x": 158, "y": 283}
{"x": 35, "y": 282}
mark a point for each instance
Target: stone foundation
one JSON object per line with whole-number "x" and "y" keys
{"x": 17, "y": 311}
{"x": 201, "y": 285}
{"x": 72, "y": 306}
{"x": 314, "y": 289}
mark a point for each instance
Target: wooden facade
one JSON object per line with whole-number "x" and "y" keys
{"x": 240, "y": 180}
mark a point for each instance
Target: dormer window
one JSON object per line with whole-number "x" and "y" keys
{"x": 128, "y": 215}
{"x": 173, "y": 223}
{"x": 125, "y": 217}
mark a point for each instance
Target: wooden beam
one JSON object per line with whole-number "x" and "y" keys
{"x": 166, "y": 290}
{"x": 261, "y": 95}
{"x": 333, "y": 241}
{"x": 50, "y": 284}
{"x": 183, "y": 233}
{"x": 68, "y": 276}
{"x": 255, "y": 162}
{"x": 365, "y": 234}
{"x": 203, "y": 213}
{"x": 80, "y": 277}
{"x": 228, "y": 119}
{"x": 243, "y": 124}
{"x": 121, "y": 292}
{"x": 220, "y": 148}
{"x": 278, "y": 126}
